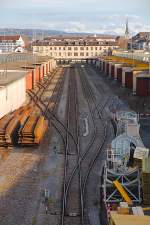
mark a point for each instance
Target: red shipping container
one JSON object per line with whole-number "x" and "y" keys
{"x": 46, "y": 68}
{"x": 29, "y": 80}
{"x": 33, "y": 78}
{"x": 129, "y": 79}
{"x": 41, "y": 73}
{"x": 119, "y": 74}
{"x": 143, "y": 86}
{"x": 112, "y": 71}
{"x": 104, "y": 66}
{"x": 107, "y": 69}
{"x": 49, "y": 65}
{"x": 37, "y": 72}
{"x": 43, "y": 70}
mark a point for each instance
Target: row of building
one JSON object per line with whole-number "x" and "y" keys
{"x": 18, "y": 79}
{"x": 66, "y": 47}
{"x": 131, "y": 74}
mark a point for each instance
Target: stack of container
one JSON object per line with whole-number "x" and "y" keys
{"x": 146, "y": 180}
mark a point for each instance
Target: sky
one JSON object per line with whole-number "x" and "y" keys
{"x": 94, "y": 16}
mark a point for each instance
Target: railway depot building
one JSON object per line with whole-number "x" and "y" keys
{"x": 63, "y": 47}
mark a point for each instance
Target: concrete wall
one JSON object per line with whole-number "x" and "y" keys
{"x": 12, "y": 96}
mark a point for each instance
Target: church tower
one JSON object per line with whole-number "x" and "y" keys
{"x": 127, "y": 30}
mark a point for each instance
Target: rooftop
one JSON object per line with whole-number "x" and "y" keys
{"x": 24, "y": 64}
{"x": 9, "y": 38}
{"x": 135, "y": 64}
{"x": 10, "y": 77}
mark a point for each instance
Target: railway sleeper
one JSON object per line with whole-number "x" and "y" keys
{"x": 72, "y": 153}
{"x": 73, "y": 214}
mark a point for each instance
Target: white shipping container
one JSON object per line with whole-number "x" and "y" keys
{"x": 12, "y": 96}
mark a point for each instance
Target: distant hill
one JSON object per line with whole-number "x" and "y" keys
{"x": 32, "y": 33}
{"x": 38, "y": 33}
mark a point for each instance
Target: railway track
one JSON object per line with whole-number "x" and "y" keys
{"x": 100, "y": 135}
{"x": 80, "y": 217}
{"x": 72, "y": 196}
{"x": 50, "y": 113}
{"x": 75, "y": 178}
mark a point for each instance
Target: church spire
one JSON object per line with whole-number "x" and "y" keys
{"x": 127, "y": 30}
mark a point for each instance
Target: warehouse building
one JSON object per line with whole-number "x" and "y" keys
{"x": 75, "y": 47}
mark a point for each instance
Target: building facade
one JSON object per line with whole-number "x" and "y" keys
{"x": 14, "y": 43}
{"x": 75, "y": 47}
{"x": 141, "y": 41}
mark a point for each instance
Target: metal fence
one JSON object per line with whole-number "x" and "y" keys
{"x": 145, "y": 57}
{"x": 13, "y": 57}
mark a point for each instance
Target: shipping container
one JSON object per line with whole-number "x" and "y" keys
{"x": 49, "y": 66}
{"x": 46, "y": 68}
{"x": 119, "y": 74}
{"x": 143, "y": 86}
{"x": 12, "y": 94}
{"x": 43, "y": 70}
{"x": 29, "y": 81}
{"x": 129, "y": 79}
{"x": 107, "y": 69}
{"x": 104, "y": 66}
{"x": 37, "y": 72}
{"x": 112, "y": 71}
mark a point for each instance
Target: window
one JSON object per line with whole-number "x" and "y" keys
{"x": 81, "y": 48}
{"x": 87, "y": 54}
{"x": 59, "y": 53}
{"x": 59, "y": 48}
{"x": 55, "y": 48}
{"x": 81, "y": 53}
{"x": 76, "y": 48}
{"x": 91, "y": 48}
{"x": 69, "y": 48}
{"x": 76, "y": 54}
{"x": 87, "y": 48}
{"x": 64, "y": 48}
{"x": 95, "y": 48}
{"x": 69, "y": 54}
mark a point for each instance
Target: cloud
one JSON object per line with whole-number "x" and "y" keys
{"x": 114, "y": 24}
{"x": 96, "y": 16}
